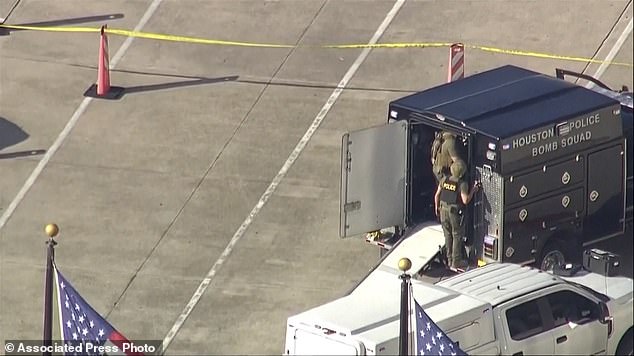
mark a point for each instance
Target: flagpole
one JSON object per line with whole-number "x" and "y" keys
{"x": 404, "y": 264}
{"x": 51, "y": 230}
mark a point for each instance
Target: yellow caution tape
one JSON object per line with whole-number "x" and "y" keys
{"x": 158, "y": 36}
{"x": 392, "y": 45}
{"x": 148, "y": 35}
{"x": 515, "y": 52}
{"x": 186, "y": 39}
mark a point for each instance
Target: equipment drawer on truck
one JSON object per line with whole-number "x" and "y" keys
{"x": 545, "y": 179}
{"x": 544, "y": 213}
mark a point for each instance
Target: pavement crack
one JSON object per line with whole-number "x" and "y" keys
{"x": 120, "y": 169}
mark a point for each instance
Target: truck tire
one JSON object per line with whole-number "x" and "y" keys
{"x": 626, "y": 345}
{"x": 552, "y": 254}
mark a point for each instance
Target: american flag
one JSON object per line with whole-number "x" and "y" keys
{"x": 430, "y": 340}
{"x": 81, "y": 324}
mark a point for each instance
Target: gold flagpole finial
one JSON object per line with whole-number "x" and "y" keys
{"x": 404, "y": 264}
{"x": 51, "y": 230}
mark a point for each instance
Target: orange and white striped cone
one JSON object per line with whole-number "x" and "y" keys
{"x": 456, "y": 62}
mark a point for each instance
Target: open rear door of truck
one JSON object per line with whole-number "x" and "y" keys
{"x": 373, "y": 178}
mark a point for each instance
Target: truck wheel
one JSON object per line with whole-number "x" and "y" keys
{"x": 552, "y": 255}
{"x": 626, "y": 345}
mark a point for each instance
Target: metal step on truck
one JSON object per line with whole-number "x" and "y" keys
{"x": 554, "y": 160}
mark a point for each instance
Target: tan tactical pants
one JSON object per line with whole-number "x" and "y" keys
{"x": 451, "y": 227}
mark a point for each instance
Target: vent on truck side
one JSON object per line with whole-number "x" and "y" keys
{"x": 489, "y": 211}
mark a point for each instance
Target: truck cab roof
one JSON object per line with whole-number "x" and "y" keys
{"x": 497, "y": 282}
{"x": 500, "y": 282}
{"x": 505, "y": 101}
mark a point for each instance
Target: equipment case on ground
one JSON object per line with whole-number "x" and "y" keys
{"x": 601, "y": 262}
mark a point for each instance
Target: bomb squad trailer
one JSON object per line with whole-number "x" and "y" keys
{"x": 554, "y": 160}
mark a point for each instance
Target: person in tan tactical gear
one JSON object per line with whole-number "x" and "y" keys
{"x": 451, "y": 197}
{"x": 443, "y": 153}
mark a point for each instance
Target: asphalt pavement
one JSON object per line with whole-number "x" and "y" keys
{"x": 202, "y": 207}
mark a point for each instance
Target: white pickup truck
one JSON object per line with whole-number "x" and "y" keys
{"x": 497, "y": 309}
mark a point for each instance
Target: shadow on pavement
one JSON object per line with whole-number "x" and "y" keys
{"x": 184, "y": 83}
{"x": 62, "y": 22}
{"x": 21, "y": 154}
{"x": 257, "y": 81}
{"x": 11, "y": 134}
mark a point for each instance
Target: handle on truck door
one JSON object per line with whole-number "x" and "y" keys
{"x": 562, "y": 339}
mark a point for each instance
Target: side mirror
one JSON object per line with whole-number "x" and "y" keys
{"x": 605, "y": 317}
{"x": 604, "y": 312}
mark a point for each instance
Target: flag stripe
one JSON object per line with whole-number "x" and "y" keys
{"x": 413, "y": 345}
{"x": 118, "y": 339}
{"x": 59, "y": 304}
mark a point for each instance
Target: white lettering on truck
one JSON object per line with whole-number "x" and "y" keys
{"x": 545, "y": 148}
{"x": 585, "y": 122}
{"x": 570, "y": 133}
{"x": 533, "y": 138}
{"x": 577, "y": 138}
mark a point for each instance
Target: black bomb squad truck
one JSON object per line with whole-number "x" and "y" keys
{"x": 554, "y": 160}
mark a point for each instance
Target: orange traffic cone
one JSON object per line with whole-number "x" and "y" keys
{"x": 103, "y": 71}
{"x": 103, "y": 89}
{"x": 456, "y": 62}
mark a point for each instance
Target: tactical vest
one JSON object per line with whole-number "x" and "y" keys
{"x": 450, "y": 192}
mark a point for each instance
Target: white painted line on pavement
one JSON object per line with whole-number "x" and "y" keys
{"x": 613, "y": 52}
{"x": 71, "y": 123}
{"x": 278, "y": 178}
